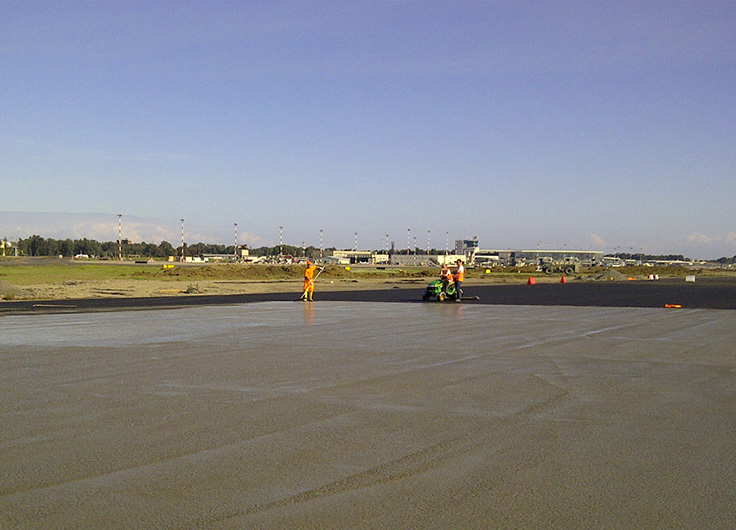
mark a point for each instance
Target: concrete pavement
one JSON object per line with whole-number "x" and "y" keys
{"x": 369, "y": 415}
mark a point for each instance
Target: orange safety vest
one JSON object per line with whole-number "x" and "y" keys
{"x": 460, "y": 274}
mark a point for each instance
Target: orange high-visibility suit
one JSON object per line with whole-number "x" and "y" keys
{"x": 309, "y": 280}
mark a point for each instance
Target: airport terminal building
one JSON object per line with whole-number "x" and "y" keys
{"x": 520, "y": 258}
{"x": 467, "y": 250}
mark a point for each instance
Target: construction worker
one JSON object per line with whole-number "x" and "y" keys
{"x": 309, "y": 280}
{"x": 459, "y": 279}
{"x": 445, "y": 276}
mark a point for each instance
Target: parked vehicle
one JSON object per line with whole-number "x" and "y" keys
{"x": 567, "y": 265}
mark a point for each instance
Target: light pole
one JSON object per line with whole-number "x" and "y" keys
{"x": 281, "y": 242}
{"x": 235, "y": 249}
{"x": 447, "y": 242}
{"x": 428, "y": 232}
{"x": 182, "y": 239}
{"x": 356, "y": 242}
{"x": 408, "y": 241}
{"x": 321, "y": 252}
{"x": 120, "y": 237}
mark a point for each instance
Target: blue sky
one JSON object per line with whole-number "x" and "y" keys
{"x": 604, "y": 125}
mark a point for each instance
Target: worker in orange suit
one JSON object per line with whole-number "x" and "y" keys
{"x": 459, "y": 279}
{"x": 309, "y": 280}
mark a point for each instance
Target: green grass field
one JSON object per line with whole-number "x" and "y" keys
{"x": 29, "y": 271}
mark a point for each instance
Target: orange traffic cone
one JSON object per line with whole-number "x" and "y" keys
{"x": 531, "y": 281}
{"x": 563, "y": 280}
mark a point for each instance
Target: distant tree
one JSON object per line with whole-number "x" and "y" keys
{"x": 66, "y": 248}
{"x": 167, "y": 249}
{"x": 109, "y": 249}
{"x": 53, "y": 248}
{"x": 151, "y": 250}
{"x": 260, "y": 251}
{"x": 196, "y": 249}
{"x": 88, "y": 247}
{"x": 33, "y": 246}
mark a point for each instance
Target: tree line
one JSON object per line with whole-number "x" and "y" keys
{"x": 37, "y": 246}
{"x": 644, "y": 257}
{"x": 667, "y": 257}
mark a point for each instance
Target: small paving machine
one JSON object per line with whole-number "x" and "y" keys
{"x": 436, "y": 289}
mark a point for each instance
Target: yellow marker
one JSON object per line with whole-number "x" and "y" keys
{"x": 673, "y": 306}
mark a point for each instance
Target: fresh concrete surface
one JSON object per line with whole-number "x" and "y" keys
{"x": 369, "y": 415}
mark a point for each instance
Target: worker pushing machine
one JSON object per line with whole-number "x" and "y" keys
{"x": 309, "y": 279}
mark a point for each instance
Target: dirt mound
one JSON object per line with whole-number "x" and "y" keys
{"x": 224, "y": 272}
{"x": 8, "y": 291}
{"x": 609, "y": 275}
{"x": 270, "y": 272}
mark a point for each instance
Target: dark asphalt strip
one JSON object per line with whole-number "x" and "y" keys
{"x": 706, "y": 294}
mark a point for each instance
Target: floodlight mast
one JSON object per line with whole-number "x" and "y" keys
{"x": 235, "y": 248}
{"x": 281, "y": 243}
{"x": 182, "y": 239}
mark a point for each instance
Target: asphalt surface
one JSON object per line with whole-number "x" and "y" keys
{"x": 704, "y": 293}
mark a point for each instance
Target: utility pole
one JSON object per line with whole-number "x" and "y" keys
{"x": 120, "y": 237}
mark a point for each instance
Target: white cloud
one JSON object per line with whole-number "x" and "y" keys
{"x": 703, "y": 246}
{"x": 104, "y": 227}
{"x": 597, "y": 241}
{"x": 695, "y": 237}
